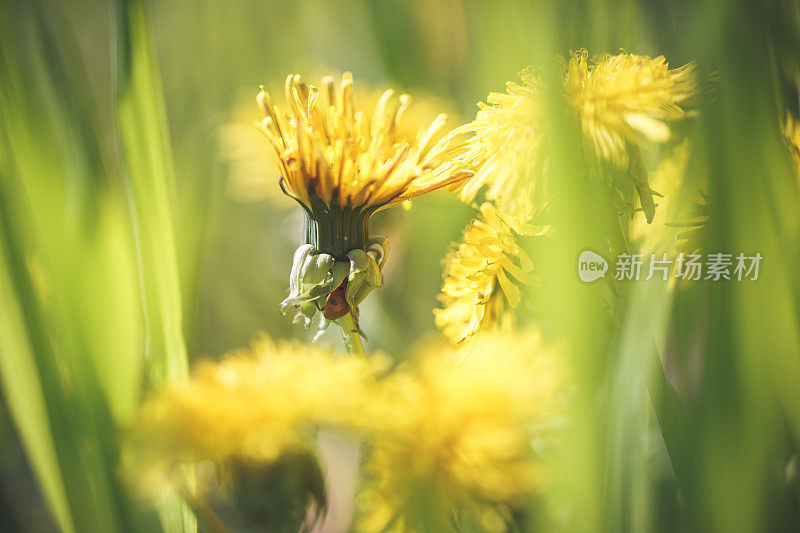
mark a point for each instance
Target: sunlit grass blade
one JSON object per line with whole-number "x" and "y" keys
{"x": 149, "y": 174}
{"x": 640, "y": 387}
{"x": 677, "y": 427}
{"x": 579, "y": 313}
{"x": 148, "y": 170}
{"x": 21, "y": 382}
{"x": 57, "y": 402}
{"x": 751, "y": 348}
{"x": 23, "y": 393}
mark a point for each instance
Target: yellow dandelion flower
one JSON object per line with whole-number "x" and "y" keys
{"x": 481, "y": 276}
{"x": 457, "y": 436}
{"x": 253, "y": 165}
{"x": 342, "y": 164}
{"x": 620, "y": 102}
{"x": 507, "y": 150}
{"x": 254, "y": 406}
{"x": 624, "y": 100}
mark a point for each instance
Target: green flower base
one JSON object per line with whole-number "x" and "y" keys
{"x": 336, "y": 230}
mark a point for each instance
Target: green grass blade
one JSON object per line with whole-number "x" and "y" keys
{"x": 23, "y": 394}
{"x": 148, "y": 168}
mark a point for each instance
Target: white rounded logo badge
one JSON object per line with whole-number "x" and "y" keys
{"x": 591, "y": 266}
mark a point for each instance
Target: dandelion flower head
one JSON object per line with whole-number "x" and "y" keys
{"x": 458, "y": 438}
{"x": 625, "y": 99}
{"x": 619, "y": 102}
{"x": 330, "y": 150}
{"x": 253, "y": 163}
{"x": 482, "y": 276}
{"x": 254, "y": 406}
{"x": 506, "y": 152}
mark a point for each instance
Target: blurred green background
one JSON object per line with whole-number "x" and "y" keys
{"x": 124, "y": 256}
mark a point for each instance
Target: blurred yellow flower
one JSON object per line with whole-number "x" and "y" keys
{"x": 625, "y": 100}
{"x": 252, "y": 165}
{"x": 481, "y": 276}
{"x": 620, "y": 102}
{"x": 507, "y": 150}
{"x": 791, "y": 137}
{"x": 253, "y": 406}
{"x": 331, "y": 152}
{"x": 456, "y": 439}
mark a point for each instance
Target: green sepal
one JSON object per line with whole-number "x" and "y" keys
{"x": 334, "y": 278}
{"x": 316, "y": 269}
{"x": 296, "y": 275}
{"x": 372, "y": 279}
{"x": 323, "y": 326}
{"x": 306, "y": 313}
{"x": 379, "y": 245}
{"x": 359, "y": 265}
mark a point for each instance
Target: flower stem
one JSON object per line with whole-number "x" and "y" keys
{"x": 204, "y": 511}
{"x": 351, "y": 336}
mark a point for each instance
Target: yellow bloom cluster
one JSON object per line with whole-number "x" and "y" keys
{"x": 620, "y": 102}
{"x": 328, "y": 148}
{"x": 450, "y": 432}
{"x": 479, "y": 271}
{"x": 450, "y": 435}
{"x": 459, "y": 432}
